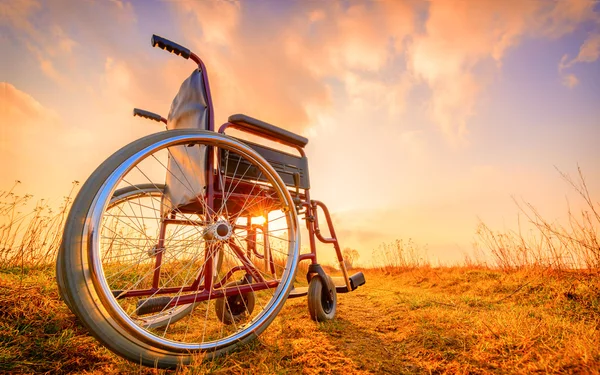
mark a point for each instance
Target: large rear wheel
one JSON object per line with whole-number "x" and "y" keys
{"x": 143, "y": 265}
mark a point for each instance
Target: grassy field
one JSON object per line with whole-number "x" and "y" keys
{"x": 424, "y": 320}
{"x": 533, "y": 306}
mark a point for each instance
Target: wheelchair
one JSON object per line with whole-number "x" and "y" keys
{"x": 186, "y": 242}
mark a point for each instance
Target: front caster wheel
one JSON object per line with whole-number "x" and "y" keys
{"x": 236, "y": 308}
{"x": 322, "y": 299}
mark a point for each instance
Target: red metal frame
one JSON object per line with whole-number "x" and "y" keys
{"x": 202, "y": 67}
{"x": 311, "y": 209}
{"x": 209, "y": 289}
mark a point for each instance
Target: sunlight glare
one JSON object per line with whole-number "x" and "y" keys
{"x": 259, "y": 220}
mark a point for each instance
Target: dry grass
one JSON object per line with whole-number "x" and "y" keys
{"x": 536, "y": 308}
{"x": 427, "y": 320}
{"x": 30, "y": 237}
{"x": 575, "y": 245}
{"x": 400, "y": 255}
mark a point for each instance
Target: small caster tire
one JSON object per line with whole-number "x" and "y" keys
{"x": 321, "y": 307}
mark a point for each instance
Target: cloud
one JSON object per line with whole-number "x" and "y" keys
{"x": 289, "y": 69}
{"x": 557, "y": 18}
{"x": 590, "y": 50}
{"x": 55, "y": 32}
{"x": 44, "y": 151}
{"x": 461, "y": 38}
{"x": 117, "y": 75}
{"x": 457, "y": 37}
{"x": 220, "y": 27}
{"x": 288, "y": 63}
{"x": 16, "y": 14}
{"x": 19, "y": 109}
{"x": 588, "y": 53}
{"x": 278, "y": 67}
{"x": 283, "y": 68}
{"x": 91, "y": 72}
{"x": 570, "y": 80}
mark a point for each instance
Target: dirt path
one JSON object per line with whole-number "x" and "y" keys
{"x": 447, "y": 322}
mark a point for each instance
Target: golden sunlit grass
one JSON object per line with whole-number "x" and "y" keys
{"x": 30, "y": 236}
{"x": 575, "y": 245}
{"x": 534, "y": 308}
{"x": 400, "y": 256}
{"x": 446, "y": 320}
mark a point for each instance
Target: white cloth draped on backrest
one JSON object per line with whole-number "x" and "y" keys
{"x": 185, "y": 180}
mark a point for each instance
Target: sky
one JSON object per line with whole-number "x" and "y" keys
{"x": 423, "y": 117}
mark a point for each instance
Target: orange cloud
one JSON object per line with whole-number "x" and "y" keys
{"x": 555, "y": 19}
{"x": 277, "y": 68}
{"x": 278, "y": 76}
{"x": 287, "y": 69}
{"x": 590, "y": 50}
{"x": 570, "y": 80}
{"x": 460, "y": 36}
{"x": 20, "y": 108}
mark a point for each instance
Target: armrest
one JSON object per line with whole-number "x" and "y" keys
{"x": 267, "y": 130}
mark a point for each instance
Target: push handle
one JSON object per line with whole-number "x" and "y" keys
{"x": 149, "y": 115}
{"x": 172, "y": 47}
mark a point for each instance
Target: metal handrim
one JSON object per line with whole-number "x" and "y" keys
{"x": 101, "y": 202}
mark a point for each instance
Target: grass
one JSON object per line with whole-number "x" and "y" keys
{"x": 574, "y": 245}
{"x": 532, "y": 306}
{"x": 30, "y": 236}
{"x": 426, "y": 320}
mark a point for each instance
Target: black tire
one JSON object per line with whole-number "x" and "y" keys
{"x": 320, "y": 307}
{"x": 79, "y": 276}
{"x": 236, "y": 308}
{"x": 60, "y": 280}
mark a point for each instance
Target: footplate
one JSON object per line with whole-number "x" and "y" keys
{"x": 356, "y": 280}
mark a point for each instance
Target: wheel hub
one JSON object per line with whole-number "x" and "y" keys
{"x": 220, "y": 231}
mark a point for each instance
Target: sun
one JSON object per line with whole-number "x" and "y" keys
{"x": 259, "y": 220}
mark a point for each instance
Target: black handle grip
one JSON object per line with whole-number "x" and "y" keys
{"x": 147, "y": 114}
{"x": 172, "y": 47}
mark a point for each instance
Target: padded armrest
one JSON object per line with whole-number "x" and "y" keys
{"x": 271, "y": 131}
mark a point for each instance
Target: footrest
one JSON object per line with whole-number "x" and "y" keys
{"x": 356, "y": 280}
